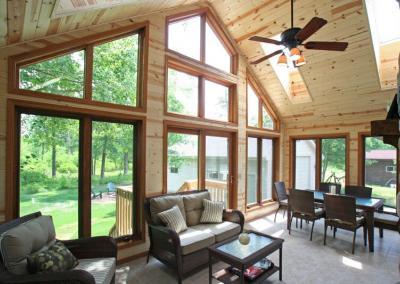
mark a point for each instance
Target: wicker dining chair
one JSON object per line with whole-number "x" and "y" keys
{"x": 388, "y": 220}
{"x": 302, "y": 206}
{"x": 281, "y": 195}
{"x": 340, "y": 212}
{"x": 358, "y": 191}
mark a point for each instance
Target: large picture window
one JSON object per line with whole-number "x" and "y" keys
{"x": 319, "y": 159}
{"x": 198, "y": 37}
{"x": 108, "y": 70}
{"x": 58, "y": 152}
{"x": 200, "y": 159}
{"x": 380, "y": 169}
{"x": 260, "y": 170}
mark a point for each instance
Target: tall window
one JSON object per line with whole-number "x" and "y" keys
{"x": 196, "y": 36}
{"x": 188, "y": 169}
{"x": 108, "y": 71}
{"x": 258, "y": 114}
{"x": 49, "y": 170}
{"x": 380, "y": 169}
{"x": 260, "y": 170}
{"x": 319, "y": 160}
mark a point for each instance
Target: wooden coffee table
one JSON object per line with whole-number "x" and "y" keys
{"x": 243, "y": 256}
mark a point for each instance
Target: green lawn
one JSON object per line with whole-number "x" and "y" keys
{"x": 62, "y": 205}
{"x": 385, "y": 192}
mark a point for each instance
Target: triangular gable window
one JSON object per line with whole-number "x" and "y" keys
{"x": 258, "y": 114}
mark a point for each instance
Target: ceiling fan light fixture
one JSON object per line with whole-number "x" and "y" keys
{"x": 282, "y": 60}
{"x": 295, "y": 54}
{"x": 301, "y": 61}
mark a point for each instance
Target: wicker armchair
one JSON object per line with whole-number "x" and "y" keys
{"x": 167, "y": 246}
{"x": 388, "y": 220}
{"x": 87, "y": 248}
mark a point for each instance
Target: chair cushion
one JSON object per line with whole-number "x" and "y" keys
{"x": 162, "y": 203}
{"x": 56, "y": 258}
{"x": 194, "y": 240}
{"x": 386, "y": 218}
{"x": 19, "y": 242}
{"x": 213, "y": 212}
{"x": 194, "y": 207}
{"x": 221, "y": 231}
{"x": 173, "y": 219}
{"x": 360, "y": 220}
{"x": 283, "y": 202}
{"x": 102, "y": 269}
{"x": 319, "y": 211}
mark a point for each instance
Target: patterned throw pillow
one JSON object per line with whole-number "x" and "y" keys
{"x": 55, "y": 259}
{"x": 213, "y": 212}
{"x": 173, "y": 219}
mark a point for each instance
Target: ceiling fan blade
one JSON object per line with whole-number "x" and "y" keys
{"x": 312, "y": 27}
{"x": 266, "y": 57}
{"x": 266, "y": 40}
{"x": 326, "y": 45}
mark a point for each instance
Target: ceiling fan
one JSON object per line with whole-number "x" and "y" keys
{"x": 294, "y": 37}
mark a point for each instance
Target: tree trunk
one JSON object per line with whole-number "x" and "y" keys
{"x": 53, "y": 160}
{"x": 103, "y": 157}
{"x": 69, "y": 144}
{"x": 94, "y": 166}
{"x": 126, "y": 163}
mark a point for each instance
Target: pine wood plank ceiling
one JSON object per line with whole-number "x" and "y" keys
{"x": 344, "y": 83}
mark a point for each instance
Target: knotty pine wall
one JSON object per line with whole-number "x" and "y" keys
{"x": 155, "y": 105}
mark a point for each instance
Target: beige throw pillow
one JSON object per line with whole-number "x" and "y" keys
{"x": 213, "y": 212}
{"x": 173, "y": 219}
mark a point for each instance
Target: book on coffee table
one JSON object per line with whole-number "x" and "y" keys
{"x": 255, "y": 270}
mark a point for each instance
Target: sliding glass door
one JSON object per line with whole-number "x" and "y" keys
{"x": 199, "y": 159}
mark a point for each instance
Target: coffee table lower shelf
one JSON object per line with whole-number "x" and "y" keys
{"x": 225, "y": 276}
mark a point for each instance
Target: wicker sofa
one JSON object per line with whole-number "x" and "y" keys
{"x": 187, "y": 250}
{"x": 23, "y": 236}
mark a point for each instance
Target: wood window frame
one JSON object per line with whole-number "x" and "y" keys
{"x": 202, "y": 131}
{"x": 275, "y": 168}
{"x": 86, "y": 44}
{"x": 16, "y": 107}
{"x": 262, "y": 102}
{"x": 317, "y": 138}
{"x": 206, "y": 16}
{"x": 361, "y": 160}
{"x": 202, "y": 74}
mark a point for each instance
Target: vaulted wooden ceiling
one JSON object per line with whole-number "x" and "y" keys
{"x": 338, "y": 82}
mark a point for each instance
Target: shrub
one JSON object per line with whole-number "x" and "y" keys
{"x": 29, "y": 177}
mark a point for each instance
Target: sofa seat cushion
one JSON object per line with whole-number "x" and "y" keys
{"x": 221, "y": 231}
{"x": 27, "y": 238}
{"x": 102, "y": 269}
{"x": 162, "y": 203}
{"x": 388, "y": 219}
{"x": 194, "y": 240}
{"x": 194, "y": 207}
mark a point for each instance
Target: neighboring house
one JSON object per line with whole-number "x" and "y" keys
{"x": 217, "y": 166}
{"x": 305, "y": 164}
{"x": 380, "y": 167}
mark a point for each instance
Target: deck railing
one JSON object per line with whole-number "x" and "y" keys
{"x": 218, "y": 189}
{"x": 124, "y": 210}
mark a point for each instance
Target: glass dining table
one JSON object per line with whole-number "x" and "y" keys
{"x": 369, "y": 205}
